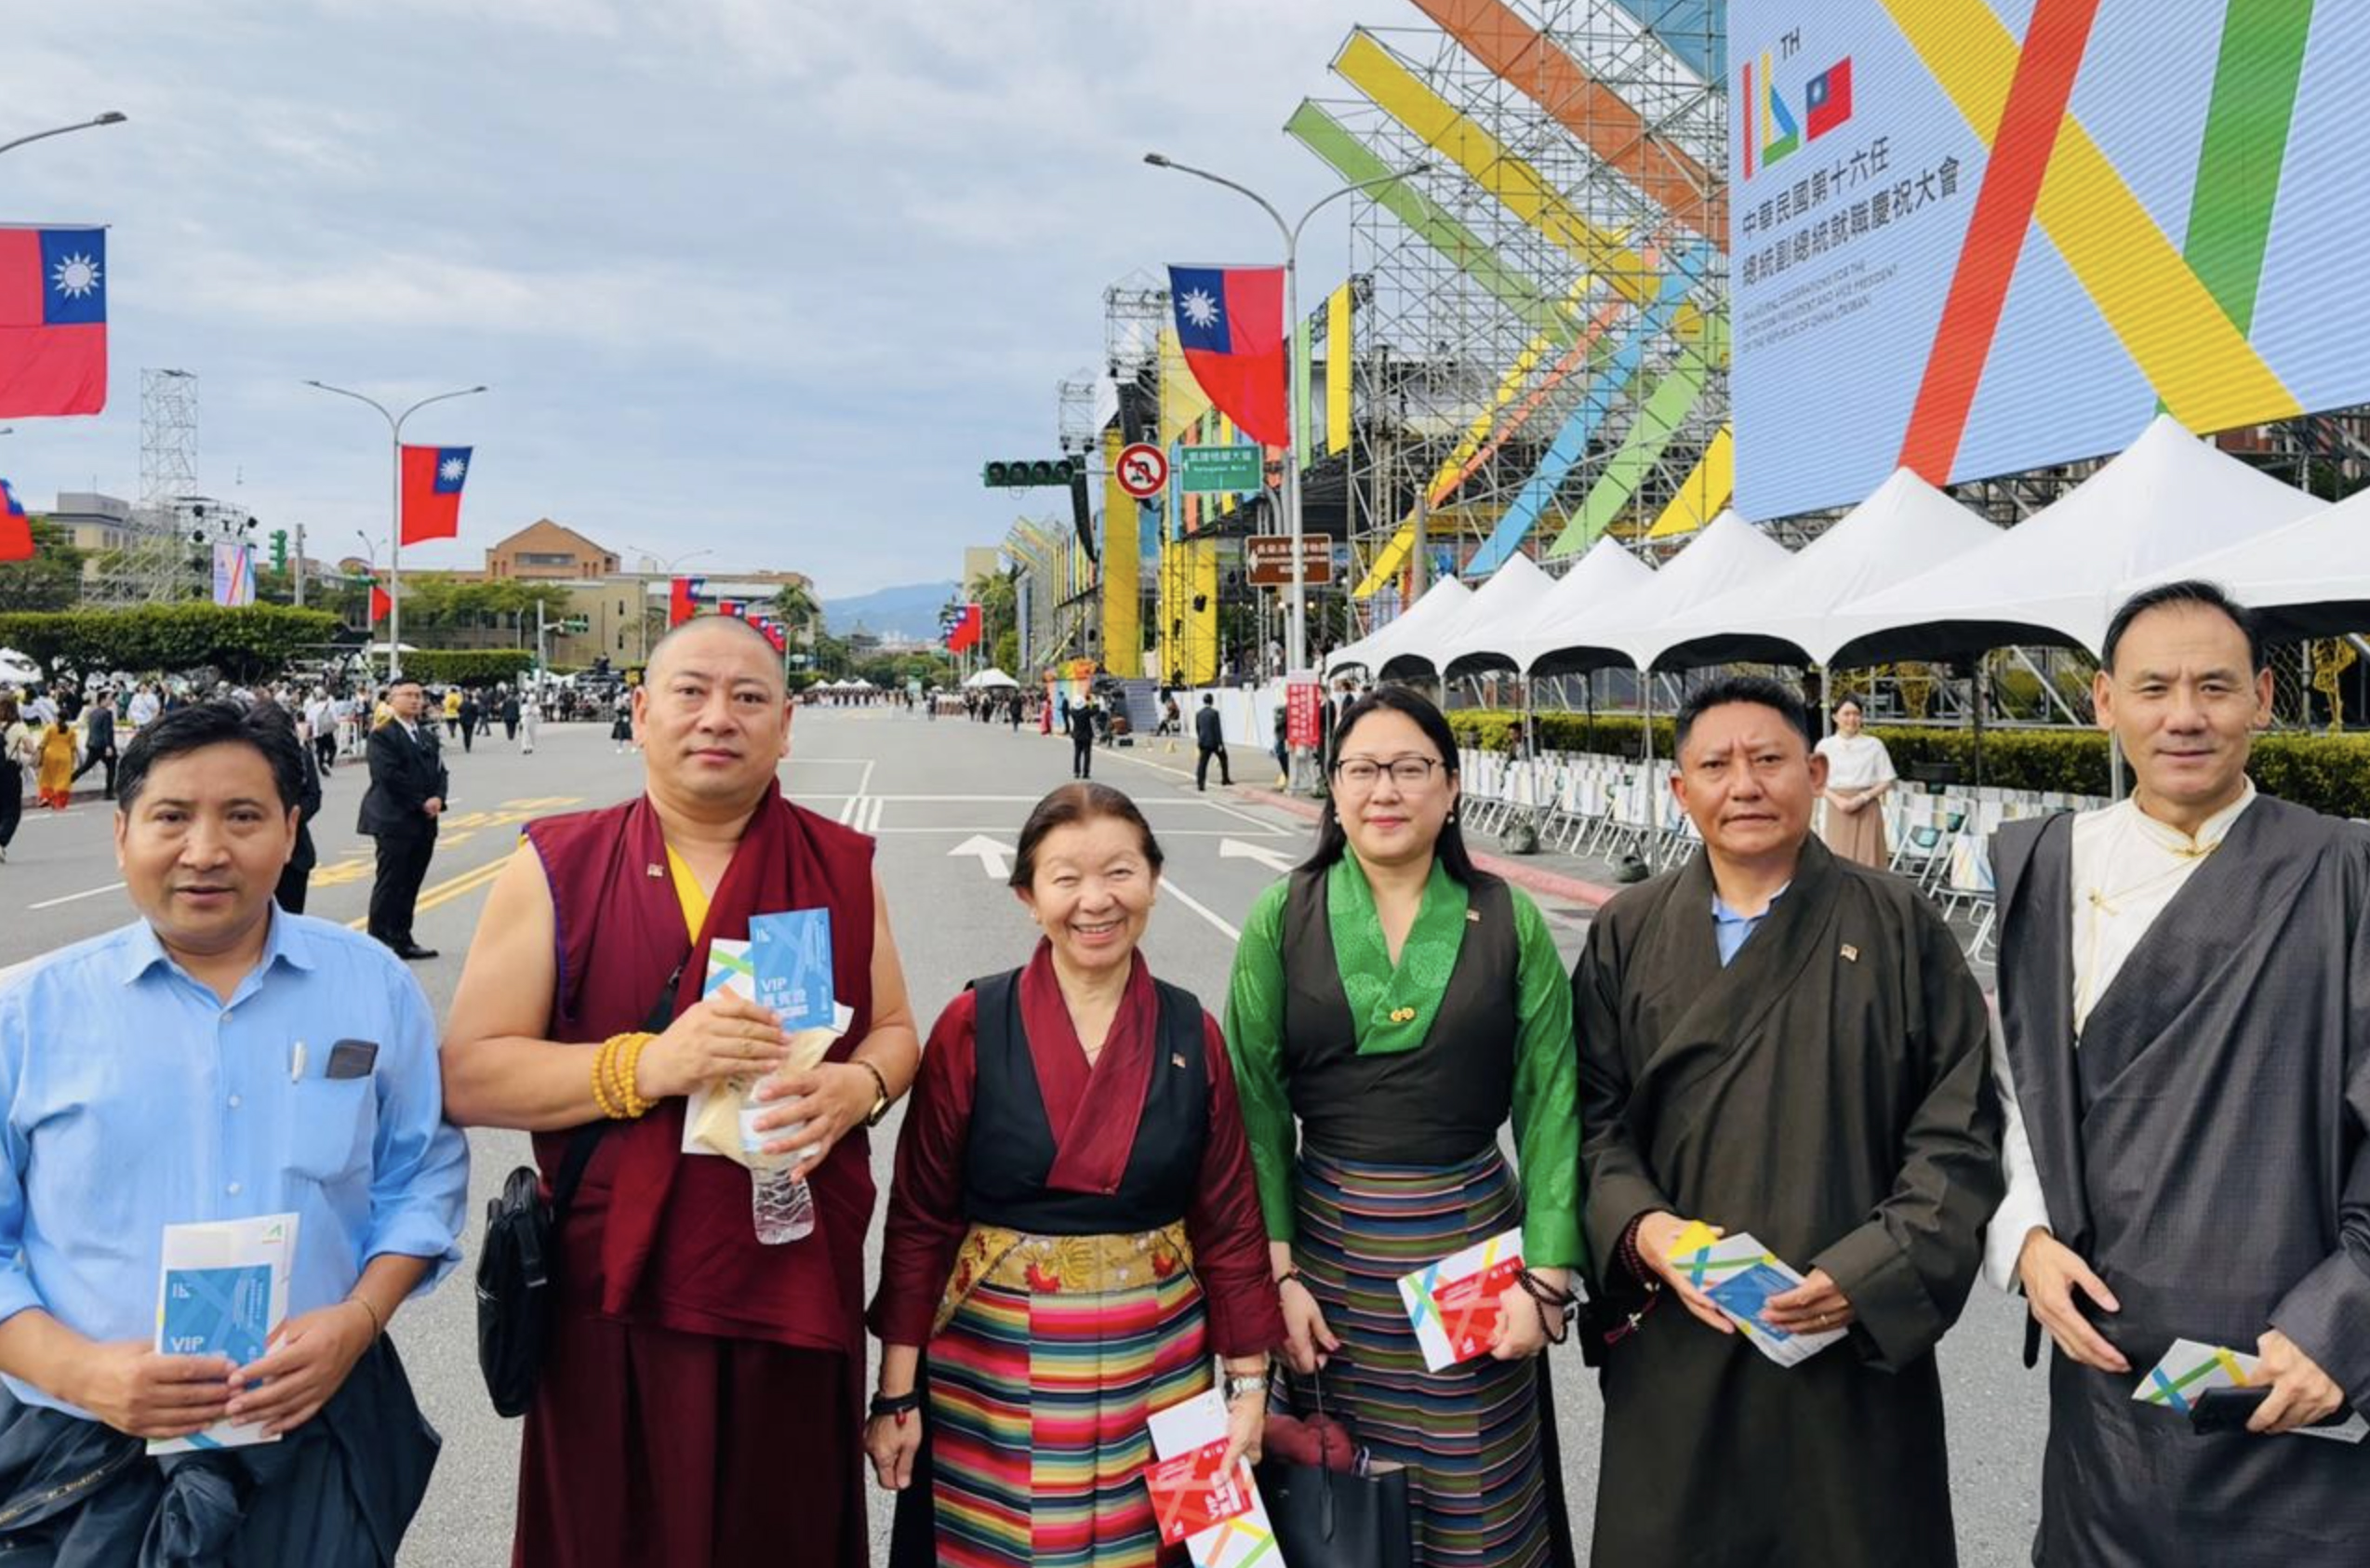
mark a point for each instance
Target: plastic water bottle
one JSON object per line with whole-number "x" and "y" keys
{"x": 781, "y": 1205}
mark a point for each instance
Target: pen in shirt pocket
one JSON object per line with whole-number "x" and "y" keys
{"x": 296, "y": 1063}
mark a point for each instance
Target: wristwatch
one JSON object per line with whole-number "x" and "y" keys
{"x": 881, "y": 1097}
{"x": 1238, "y": 1383}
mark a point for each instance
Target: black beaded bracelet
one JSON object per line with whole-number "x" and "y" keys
{"x": 897, "y": 1404}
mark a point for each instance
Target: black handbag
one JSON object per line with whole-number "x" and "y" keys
{"x": 1325, "y": 1517}
{"x": 521, "y": 1256}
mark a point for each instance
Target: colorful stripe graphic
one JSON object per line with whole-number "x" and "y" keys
{"x": 1704, "y": 492}
{"x": 1370, "y": 68}
{"x": 2209, "y": 374}
{"x": 2021, "y": 151}
{"x": 2246, "y": 135}
{"x": 1603, "y": 122}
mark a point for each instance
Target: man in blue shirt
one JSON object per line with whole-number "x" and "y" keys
{"x": 216, "y": 1059}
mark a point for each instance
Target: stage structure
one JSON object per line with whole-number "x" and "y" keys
{"x": 157, "y": 566}
{"x": 1541, "y": 351}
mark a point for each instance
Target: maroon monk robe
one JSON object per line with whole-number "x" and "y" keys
{"x": 698, "y": 1384}
{"x": 1093, "y": 1109}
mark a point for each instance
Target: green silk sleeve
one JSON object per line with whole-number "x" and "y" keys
{"x": 1547, "y": 1098}
{"x": 1254, "y": 1043}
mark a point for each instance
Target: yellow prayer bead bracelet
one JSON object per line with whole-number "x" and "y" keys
{"x": 616, "y": 1068}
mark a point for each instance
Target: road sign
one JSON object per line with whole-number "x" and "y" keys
{"x": 1213, "y": 469}
{"x": 1269, "y": 556}
{"x": 1143, "y": 470}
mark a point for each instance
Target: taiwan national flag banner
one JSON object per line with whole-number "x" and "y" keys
{"x": 431, "y": 481}
{"x": 53, "y": 321}
{"x": 776, "y": 634}
{"x": 380, "y": 603}
{"x": 16, "y": 528}
{"x": 1230, "y": 324}
{"x": 682, "y": 599}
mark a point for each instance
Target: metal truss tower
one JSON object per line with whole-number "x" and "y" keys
{"x": 153, "y": 567}
{"x": 1542, "y": 355}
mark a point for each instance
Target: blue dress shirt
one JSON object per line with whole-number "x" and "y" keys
{"x": 1730, "y": 929}
{"x": 136, "y": 1099}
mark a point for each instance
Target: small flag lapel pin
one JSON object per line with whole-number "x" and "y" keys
{"x": 1851, "y": 954}
{"x": 654, "y": 870}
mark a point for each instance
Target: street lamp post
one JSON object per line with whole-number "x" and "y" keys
{"x": 395, "y": 510}
{"x": 1296, "y": 615}
{"x": 112, "y": 118}
{"x": 642, "y": 610}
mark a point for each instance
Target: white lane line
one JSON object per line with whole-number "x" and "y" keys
{"x": 1169, "y": 889}
{"x": 847, "y": 807}
{"x": 87, "y": 893}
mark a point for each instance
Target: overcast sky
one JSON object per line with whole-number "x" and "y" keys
{"x": 771, "y": 276}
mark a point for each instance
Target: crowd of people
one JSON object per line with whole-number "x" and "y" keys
{"x": 1109, "y": 1196}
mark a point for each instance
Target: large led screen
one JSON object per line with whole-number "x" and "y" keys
{"x": 1979, "y": 236}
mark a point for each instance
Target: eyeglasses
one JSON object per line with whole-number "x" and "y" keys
{"x": 1362, "y": 773}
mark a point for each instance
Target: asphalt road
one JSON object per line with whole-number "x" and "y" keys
{"x": 942, "y": 796}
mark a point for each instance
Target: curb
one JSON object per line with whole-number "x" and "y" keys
{"x": 1552, "y": 884}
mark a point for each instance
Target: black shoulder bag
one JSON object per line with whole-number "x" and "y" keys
{"x": 520, "y": 1258}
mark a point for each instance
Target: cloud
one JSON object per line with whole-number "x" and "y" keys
{"x": 774, "y": 276}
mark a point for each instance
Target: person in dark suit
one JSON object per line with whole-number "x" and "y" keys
{"x": 296, "y": 877}
{"x": 99, "y": 740}
{"x": 1209, "y": 740}
{"x": 406, "y": 795}
{"x": 1081, "y": 725}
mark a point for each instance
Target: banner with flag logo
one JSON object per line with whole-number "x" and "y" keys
{"x": 1229, "y": 324}
{"x": 53, "y": 321}
{"x": 682, "y": 599}
{"x": 965, "y": 634}
{"x": 382, "y": 603}
{"x": 431, "y": 479}
{"x": 16, "y": 528}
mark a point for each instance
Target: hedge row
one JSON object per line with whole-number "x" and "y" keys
{"x": 246, "y": 644}
{"x": 468, "y": 667}
{"x": 2328, "y": 773}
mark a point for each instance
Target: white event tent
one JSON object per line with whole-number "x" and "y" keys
{"x": 2308, "y": 578}
{"x": 1604, "y": 578}
{"x": 2056, "y": 577}
{"x": 1508, "y": 598}
{"x": 990, "y": 678}
{"x": 1728, "y": 553}
{"x": 1903, "y": 529}
{"x": 1440, "y": 603}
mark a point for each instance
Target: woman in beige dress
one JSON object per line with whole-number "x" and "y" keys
{"x": 1859, "y": 773}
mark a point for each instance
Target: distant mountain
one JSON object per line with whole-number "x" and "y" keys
{"x": 909, "y": 611}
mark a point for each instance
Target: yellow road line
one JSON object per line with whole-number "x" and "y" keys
{"x": 444, "y": 892}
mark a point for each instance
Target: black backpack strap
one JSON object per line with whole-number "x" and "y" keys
{"x": 588, "y": 1137}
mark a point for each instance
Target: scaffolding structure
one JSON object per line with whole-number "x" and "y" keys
{"x": 1541, "y": 354}
{"x": 153, "y": 567}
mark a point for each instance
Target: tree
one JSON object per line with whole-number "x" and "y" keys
{"x": 52, "y": 579}
{"x": 799, "y": 612}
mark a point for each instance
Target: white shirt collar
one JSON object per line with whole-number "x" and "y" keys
{"x": 2209, "y": 834}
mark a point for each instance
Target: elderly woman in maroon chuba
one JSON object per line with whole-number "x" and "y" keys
{"x": 1073, "y": 1232}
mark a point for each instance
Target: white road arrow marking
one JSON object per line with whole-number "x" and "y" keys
{"x": 1235, "y": 849}
{"x": 991, "y": 855}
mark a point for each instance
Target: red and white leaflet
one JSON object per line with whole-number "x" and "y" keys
{"x": 1453, "y": 1303}
{"x": 1219, "y": 1515}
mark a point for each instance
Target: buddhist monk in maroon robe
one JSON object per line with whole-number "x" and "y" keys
{"x": 701, "y": 1401}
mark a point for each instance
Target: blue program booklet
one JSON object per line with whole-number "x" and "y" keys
{"x": 223, "y": 1291}
{"x": 792, "y": 953}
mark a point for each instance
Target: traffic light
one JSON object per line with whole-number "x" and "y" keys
{"x": 279, "y": 550}
{"x": 1029, "y": 473}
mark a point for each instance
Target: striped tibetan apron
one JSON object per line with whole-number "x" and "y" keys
{"x": 1399, "y": 1168}
{"x": 1062, "y": 1330}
